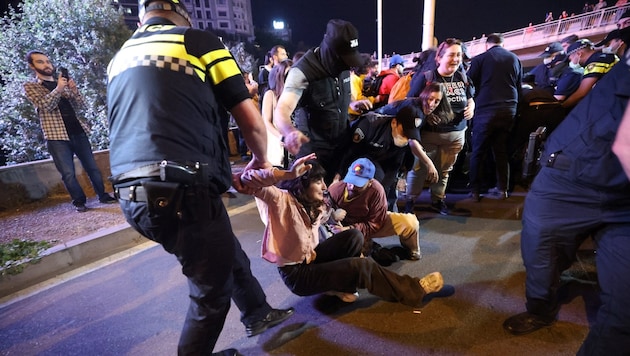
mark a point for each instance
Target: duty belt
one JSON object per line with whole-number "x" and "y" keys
{"x": 133, "y": 193}
{"x": 559, "y": 161}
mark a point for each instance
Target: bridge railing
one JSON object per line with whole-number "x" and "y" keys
{"x": 593, "y": 22}
{"x": 554, "y": 30}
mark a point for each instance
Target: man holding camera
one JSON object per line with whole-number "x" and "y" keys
{"x": 57, "y": 101}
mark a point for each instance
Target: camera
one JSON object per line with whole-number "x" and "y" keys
{"x": 64, "y": 72}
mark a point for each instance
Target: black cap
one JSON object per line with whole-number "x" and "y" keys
{"x": 623, "y": 34}
{"x": 410, "y": 120}
{"x": 551, "y": 49}
{"x": 343, "y": 38}
{"x": 610, "y": 36}
{"x": 579, "y": 44}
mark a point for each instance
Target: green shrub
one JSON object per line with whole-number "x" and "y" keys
{"x": 15, "y": 254}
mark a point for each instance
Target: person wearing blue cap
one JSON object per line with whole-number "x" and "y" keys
{"x": 364, "y": 201}
{"x": 389, "y": 78}
{"x": 293, "y": 211}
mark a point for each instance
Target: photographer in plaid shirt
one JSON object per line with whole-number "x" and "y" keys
{"x": 56, "y": 101}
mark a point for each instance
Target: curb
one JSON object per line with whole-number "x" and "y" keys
{"x": 71, "y": 255}
{"x": 82, "y": 251}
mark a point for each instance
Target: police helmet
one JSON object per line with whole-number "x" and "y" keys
{"x": 145, "y": 6}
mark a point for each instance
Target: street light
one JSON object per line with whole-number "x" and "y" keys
{"x": 278, "y": 25}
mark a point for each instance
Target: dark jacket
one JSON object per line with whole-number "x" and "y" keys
{"x": 497, "y": 75}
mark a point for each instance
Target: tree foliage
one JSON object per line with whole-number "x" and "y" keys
{"x": 81, "y": 35}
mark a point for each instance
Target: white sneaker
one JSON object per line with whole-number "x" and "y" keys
{"x": 432, "y": 282}
{"x": 345, "y": 297}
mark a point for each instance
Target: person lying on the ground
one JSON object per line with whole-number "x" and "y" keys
{"x": 293, "y": 212}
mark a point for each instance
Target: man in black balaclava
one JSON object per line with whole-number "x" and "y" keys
{"x": 317, "y": 88}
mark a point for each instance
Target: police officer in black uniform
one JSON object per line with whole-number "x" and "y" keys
{"x": 580, "y": 191}
{"x": 168, "y": 87}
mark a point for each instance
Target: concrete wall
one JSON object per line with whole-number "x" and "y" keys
{"x": 27, "y": 182}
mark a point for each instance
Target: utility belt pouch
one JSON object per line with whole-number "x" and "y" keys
{"x": 176, "y": 172}
{"x": 164, "y": 198}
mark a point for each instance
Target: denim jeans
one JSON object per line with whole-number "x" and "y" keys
{"x": 62, "y": 153}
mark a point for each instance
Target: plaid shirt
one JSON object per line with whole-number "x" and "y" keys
{"x": 46, "y": 103}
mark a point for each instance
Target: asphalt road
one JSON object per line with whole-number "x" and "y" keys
{"x": 136, "y": 306}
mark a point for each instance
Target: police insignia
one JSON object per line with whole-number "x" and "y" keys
{"x": 590, "y": 67}
{"x": 358, "y": 135}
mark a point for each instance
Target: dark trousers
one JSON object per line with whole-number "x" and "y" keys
{"x": 337, "y": 268}
{"x": 558, "y": 214}
{"x": 62, "y": 153}
{"x": 213, "y": 261}
{"x": 490, "y": 133}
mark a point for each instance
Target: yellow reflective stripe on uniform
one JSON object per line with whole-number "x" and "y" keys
{"x": 222, "y": 65}
{"x": 144, "y": 51}
{"x": 599, "y": 67}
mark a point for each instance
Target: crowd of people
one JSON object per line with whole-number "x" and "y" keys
{"x": 329, "y": 141}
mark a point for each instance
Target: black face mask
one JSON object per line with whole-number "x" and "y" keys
{"x": 331, "y": 60}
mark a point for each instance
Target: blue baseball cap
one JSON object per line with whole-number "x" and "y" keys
{"x": 396, "y": 59}
{"x": 360, "y": 172}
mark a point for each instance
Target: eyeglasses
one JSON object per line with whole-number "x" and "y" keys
{"x": 623, "y": 24}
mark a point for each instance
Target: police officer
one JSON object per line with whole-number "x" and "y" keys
{"x": 581, "y": 190}
{"x": 167, "y": 88}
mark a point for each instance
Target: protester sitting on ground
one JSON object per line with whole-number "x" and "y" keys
{"x": 293, "y": 213}
{"x": 365, "y": 203}
{"x": 275, "y": 148}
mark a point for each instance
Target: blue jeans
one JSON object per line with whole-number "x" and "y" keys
{"x": 62, "y": 153}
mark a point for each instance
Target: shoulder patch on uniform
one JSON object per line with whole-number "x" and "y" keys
{"x": 358, "y": 135}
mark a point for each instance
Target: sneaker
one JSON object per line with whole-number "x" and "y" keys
{"x": 432, "y": 282}
{"x": 345, "y": 297}
{"x": 439, "y": 206}
{"x": 81, "y": 208}
{"x": 496, "y": 193}
{"x": 107, "y": 199}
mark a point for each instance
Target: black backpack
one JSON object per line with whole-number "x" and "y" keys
{"x": 372, "y": 85}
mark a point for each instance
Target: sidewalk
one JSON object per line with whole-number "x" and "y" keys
{"x": 82, "y": 250}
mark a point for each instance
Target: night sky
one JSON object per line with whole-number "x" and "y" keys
{"x": 402, "y": 19}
